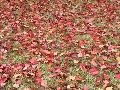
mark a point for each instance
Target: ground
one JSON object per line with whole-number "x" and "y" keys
{"x": 59, "y": 45}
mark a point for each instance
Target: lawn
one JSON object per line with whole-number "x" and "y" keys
{"x": 59, "y": 45}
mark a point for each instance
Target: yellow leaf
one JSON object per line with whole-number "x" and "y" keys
{"x": 118, "y": 59}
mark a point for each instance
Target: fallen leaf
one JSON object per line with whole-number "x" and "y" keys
{"x": 44, "y": 83}
{"x": 60, "y": 81}
{"x": 94, "y": 71}
{"x": 38, "y": 80}
{"x": 1, "y": 57}
{"x": 117, "y": 76}
{"x": 80, "y": 54}
{"x": 19, "y": 82}
{"x": 77, "y": 78}
{"x": 68, "y": 86}
{"x": 26, "y": 66}
{"x": 39, "y": 73}
{"x": 75, "y": 61}
{"x": 100, "y": 89}
{"x": 16, "y": 85}
{"x": 16, "y": 75}
{"x": 93, "y": 63}
{"x": 51, "y": 76}
{"x": 85, "y": 87}
{"x": 55, "y": 53}
{"x": 46, "y": 52}
{"x": 106, "y": 82}
{"x": 33, "y": 61}
{"x": 118, "y": 86}
{"x": 57, "y": 70}
{"x": 59, "y": 88}
{"x": 26, "y": 88}
{"x": 72, "y": 77}
{"x": 118, "y": 59}
{"x": 109, "y": 88}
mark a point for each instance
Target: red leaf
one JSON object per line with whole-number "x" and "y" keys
{"x": 82, "y": 66}
{"x": 80, "y": 54}
{"x": 102, "y": 1}
{"x": 39, "y": 73}
{"x": 51, "y": 76}
{"x": 85, "y": 88}
{"x": 19, "y": 66}
{"x": 46, "y": 52}
{"x": 117, "y": 76}
{"x": 44, "y": 83}
{"x": 98, "y": 80}
{"x": 57, "y": 70}
{"x": 2, "y": 81}
{"x": 106, "y": 76}
{"x": 59, "y": 88}
{"x": 19, "y": 82}
{"x": 1, "y": 57}
{"x": 33, "y": 61}
{"x": 60, "y": 81}
{"x": 26, "y": 66}
{"x": 94, "y": 71}
{"x": 103, "y": 66}
{"x": 38, "y": 80}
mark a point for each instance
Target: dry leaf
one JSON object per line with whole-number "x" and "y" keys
{"x": 26, "y": 88}
{"x": 106, "y": 82}
{"x": 16, "y": 85}
{"x": 75, "y": 61}
{"x": 80, "y": 54}
{"x": 118, "y": 86}
{"x": 60, "y": 81}
{"x": 16, "y": 75}
{"x": 100, "y": 89}
{"x": 71, "y": 78}
{"x": 109, "y": 88}
{"x": 55, "y": 53}
{"x": 118, "y": 59}
{"x": 118, "y": 25}
{"x": 93, "y": 63}
{"x": 68, "y": 86}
